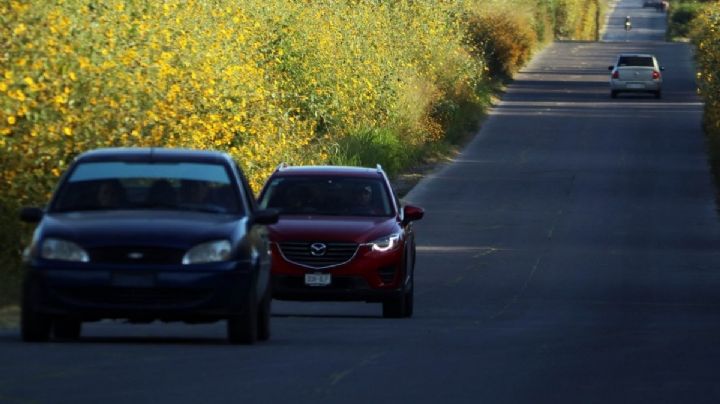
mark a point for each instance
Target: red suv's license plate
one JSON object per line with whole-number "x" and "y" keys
{"x": 317, "y": 279}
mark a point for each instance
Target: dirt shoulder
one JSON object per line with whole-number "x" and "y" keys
{"x": 9, "y": 317}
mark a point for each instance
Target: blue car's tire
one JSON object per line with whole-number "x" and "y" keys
{"x": 67, "y": 328}
{"x": 243, "y": 329}
{"x": 264, "y": 313}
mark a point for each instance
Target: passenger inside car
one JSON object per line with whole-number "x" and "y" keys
{"x": 110, "y": 194}
{"x": 299, "y": 199}
{"x": 363, "y": 202}
{"x": 161, "y": 193}
{"x": 194, "y": 192}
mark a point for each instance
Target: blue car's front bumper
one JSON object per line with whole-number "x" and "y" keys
{"x": 166, "y": 293}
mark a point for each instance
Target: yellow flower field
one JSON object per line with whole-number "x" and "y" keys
{"x": 706, "y": 35}
{"x": 300, "y": 81}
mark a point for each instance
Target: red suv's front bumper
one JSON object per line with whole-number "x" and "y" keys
{"x": 369, "y": 276}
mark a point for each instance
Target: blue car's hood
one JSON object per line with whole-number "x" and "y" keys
{"x": 145, "y": 227}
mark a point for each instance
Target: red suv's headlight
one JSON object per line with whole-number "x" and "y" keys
{"x": 387, "y": 243}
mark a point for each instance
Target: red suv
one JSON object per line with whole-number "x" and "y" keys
{"x": 342, "y": 235}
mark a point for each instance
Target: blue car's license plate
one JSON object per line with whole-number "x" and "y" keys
{"x": 126, "y": 280}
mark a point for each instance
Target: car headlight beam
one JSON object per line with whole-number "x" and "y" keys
{"x": 387, "y": 243}
{"x": 63, "y": 250}
{"x": 211, "y": 251}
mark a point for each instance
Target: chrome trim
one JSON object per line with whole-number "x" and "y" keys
{"x": 277, "y": 245}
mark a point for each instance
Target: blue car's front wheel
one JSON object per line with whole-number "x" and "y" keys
{"x": 243, "y": 328}
{"x": 67, "y": 328}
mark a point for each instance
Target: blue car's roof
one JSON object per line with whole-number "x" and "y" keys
{"x": 153, "y": 154}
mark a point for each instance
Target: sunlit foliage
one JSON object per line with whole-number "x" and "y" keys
{"x": 301, "y": 81}
{"x": 706, "y": 36}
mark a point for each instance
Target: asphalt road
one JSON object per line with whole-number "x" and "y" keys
{"x": 568, "y": 255}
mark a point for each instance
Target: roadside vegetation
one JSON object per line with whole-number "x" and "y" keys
{"x": 705, "y": 34}
{"x": 306, "y": 82}
{"x": 680, "y": 18}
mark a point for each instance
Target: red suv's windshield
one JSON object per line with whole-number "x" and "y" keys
{"x": 334, "y": 196}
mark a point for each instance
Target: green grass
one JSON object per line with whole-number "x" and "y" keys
{"x": 372, "y": 146}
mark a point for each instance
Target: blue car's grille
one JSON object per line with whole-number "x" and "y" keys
{"x": 136, "y": 255}
{"x": 333, "y": 254}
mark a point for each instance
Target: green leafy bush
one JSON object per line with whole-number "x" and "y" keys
{"x": 681, "y": 16}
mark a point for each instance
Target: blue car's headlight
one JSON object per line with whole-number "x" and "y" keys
{"x": 63, "y": 250}
{"x": 387, "y": 243}
{"x": 212, "y": 251}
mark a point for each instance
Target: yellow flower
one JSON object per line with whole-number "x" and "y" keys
{"x": 11, "y": 120}
{"x": 67, "y": 131}
{"x": 20, "y": 29}
{"x": 19, "y": 95}
{"x": 84, "y": 62}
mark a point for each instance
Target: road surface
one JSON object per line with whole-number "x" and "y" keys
{"x": 568, "y": 255}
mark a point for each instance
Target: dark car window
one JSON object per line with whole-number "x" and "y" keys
{"x": 643, "y": 61}
{"x": 124, "y": 185}
{"x": 335, "y": 196}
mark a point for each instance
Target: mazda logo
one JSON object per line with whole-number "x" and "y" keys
{"x": 318, "y": 249}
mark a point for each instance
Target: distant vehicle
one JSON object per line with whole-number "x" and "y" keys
{"x": 659, "y": 5}
{"x": 342, "y": 235}
{"x": 635, "y": 73}
{"x": 148, "y": 234}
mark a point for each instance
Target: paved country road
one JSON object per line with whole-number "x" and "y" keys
{"x": 568, "y": 255}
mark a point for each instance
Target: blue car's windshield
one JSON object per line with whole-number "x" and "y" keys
{"x": 131, "y": 185}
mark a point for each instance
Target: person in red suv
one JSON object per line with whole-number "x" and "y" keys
{"x": 342, "y": 235}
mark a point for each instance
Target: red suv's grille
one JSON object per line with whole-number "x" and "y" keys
{"x": 317, "y": 255}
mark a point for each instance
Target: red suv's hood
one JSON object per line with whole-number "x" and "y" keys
{"x": 327, "y": 228}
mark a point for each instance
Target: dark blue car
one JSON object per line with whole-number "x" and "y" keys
{"x": 148, "y": 234}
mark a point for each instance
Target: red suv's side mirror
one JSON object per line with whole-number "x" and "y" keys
{"x": 412, "y": 213}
